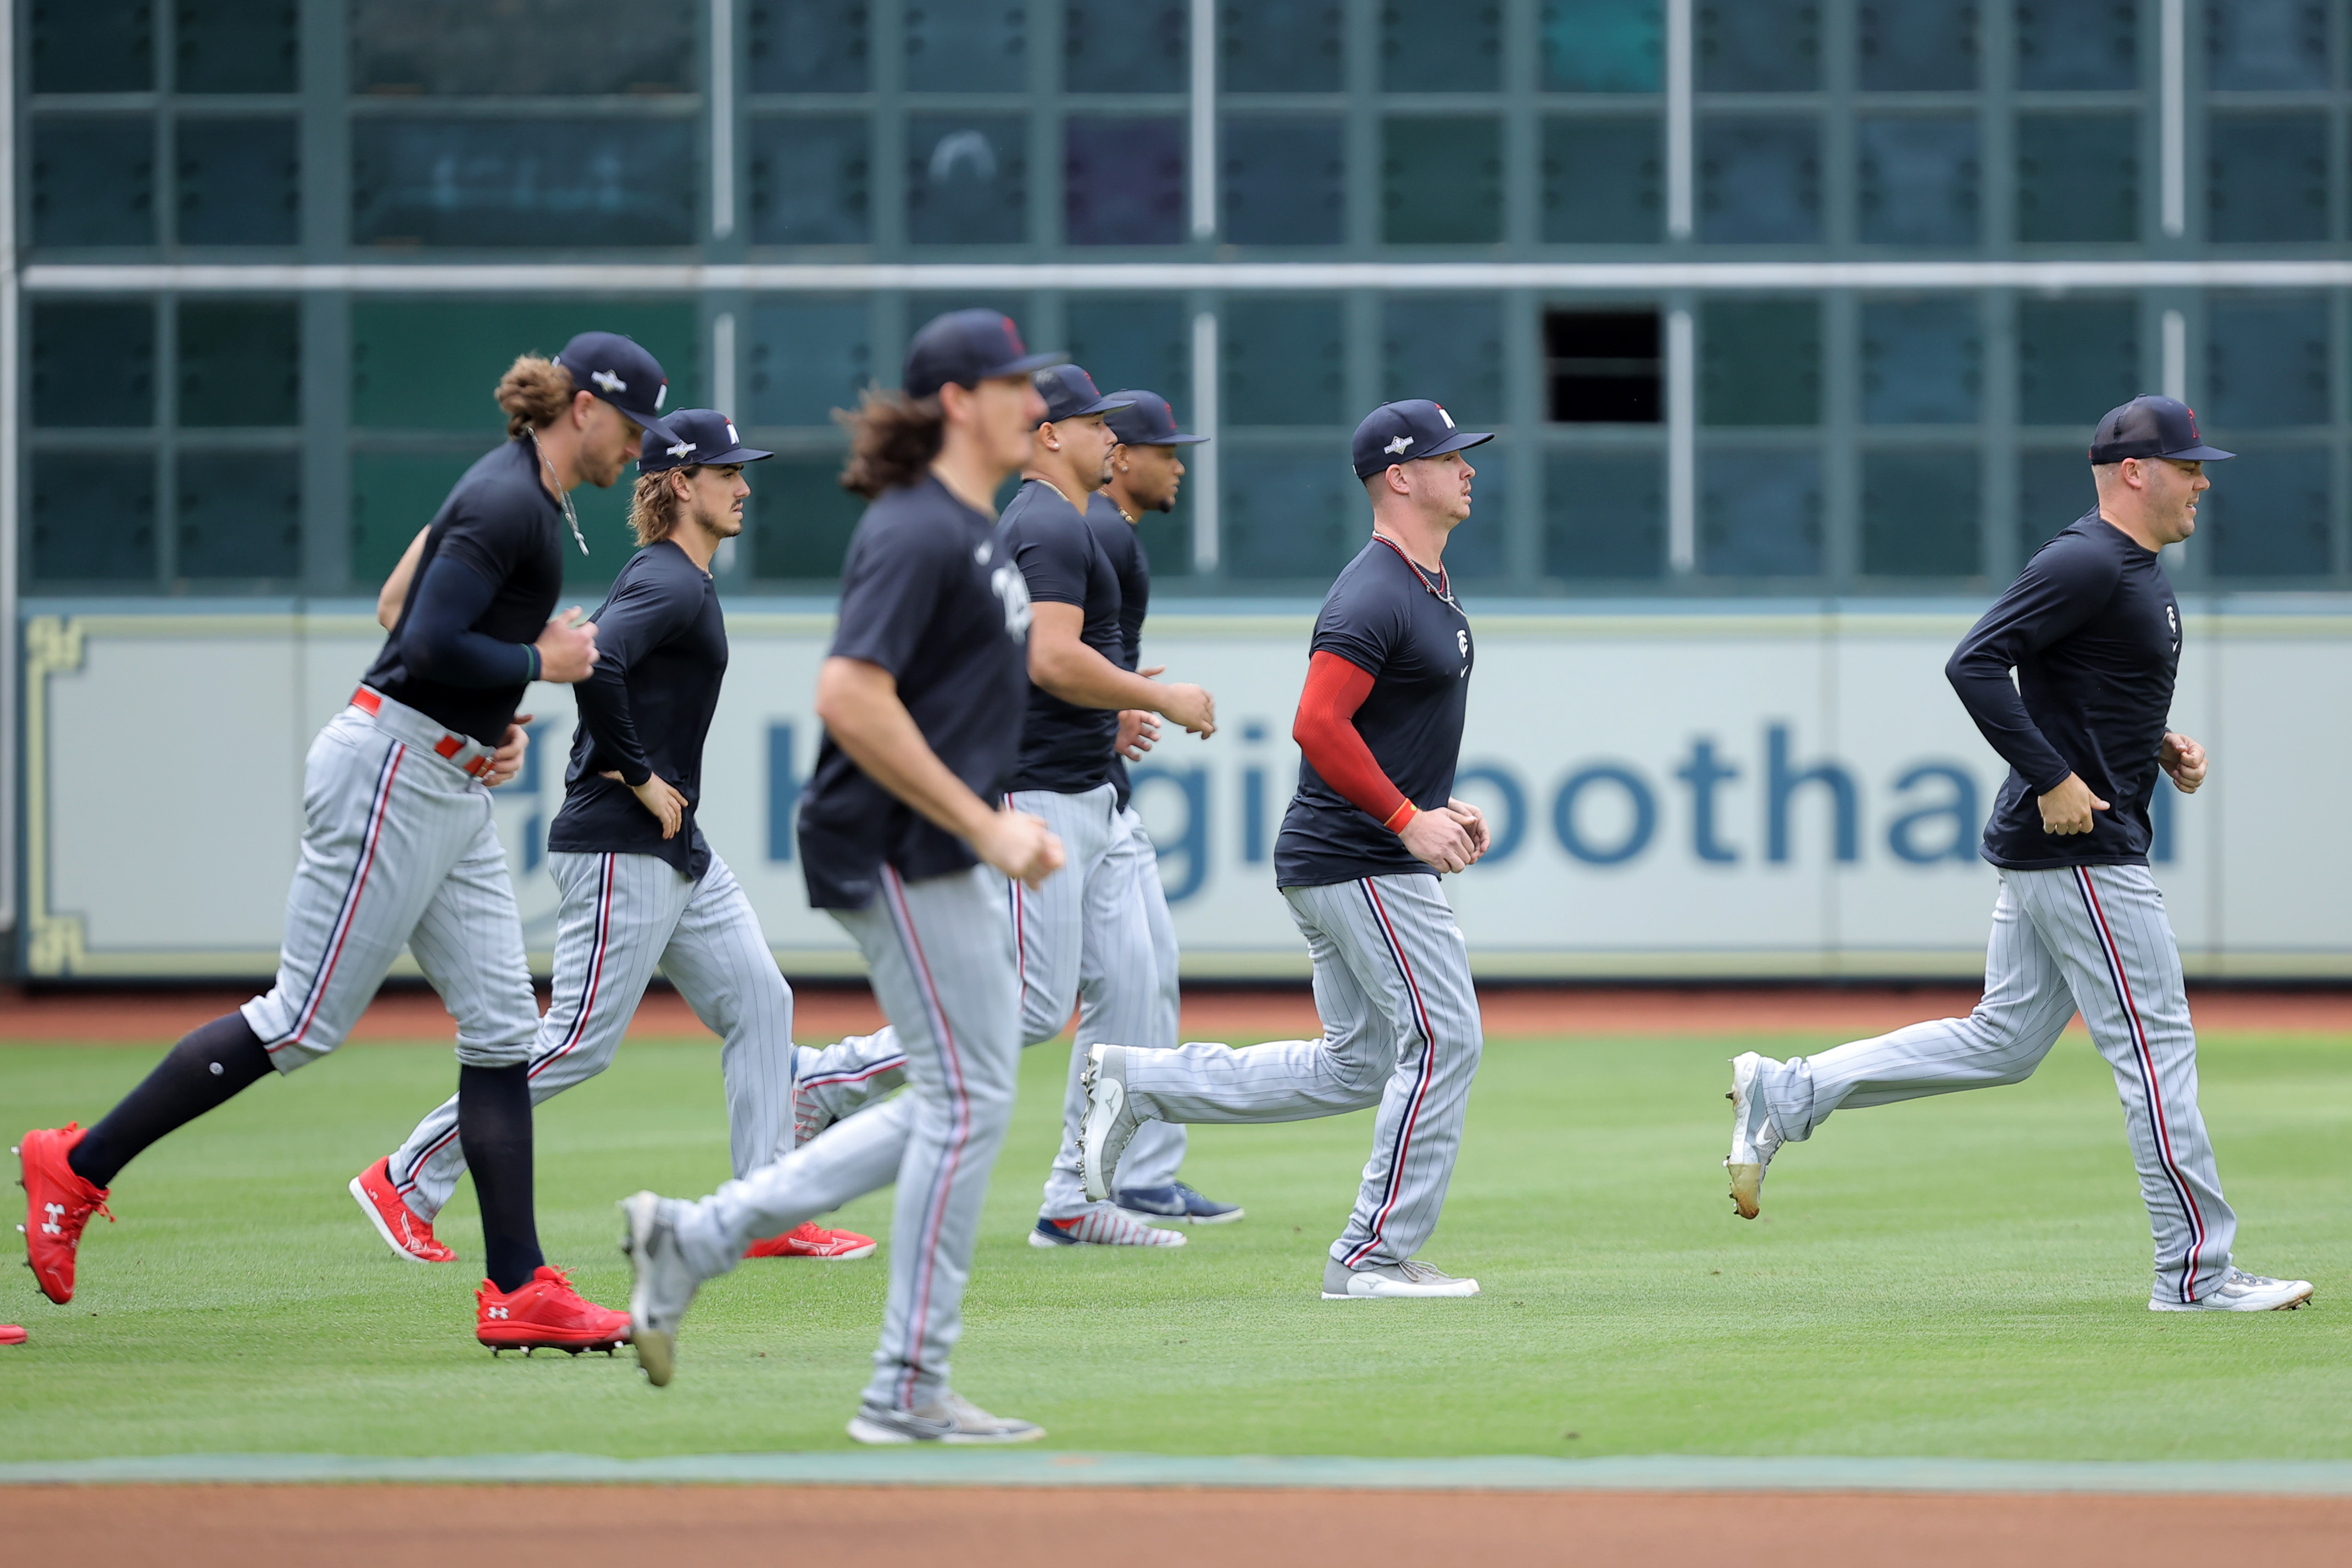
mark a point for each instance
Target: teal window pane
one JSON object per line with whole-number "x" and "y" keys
{"x": 967, "y": 46}
{"x": 432, "y": 364}
{"x": 537, "y": 182}
{"x": 2267, "y": 514}
{"x": 236, "y": 46}
{"x": 393, "y": 494}
{"x": 1759, "y": 46}
{"x": 1291, "y": 516}
{"x": 812, "y": 182}
{"x": 1603, "y": 46}
{"x": 1126, "y": 341}
{"x": 809, "y": 46}
{"x": 2255, "y": 43}
{"x": 92, "y": 45}
{"x": 1167, "y": 537}
{"x": 1123, "y": 181}
{"x": 1917, "y": 45}
{"x": 2077, "y": 177}
{"x": 1280, "y": 46}
{"x": 240, "y": 182}
{"x": 1604, "y": 517}
{"x": 1603, "y": 181}
{"x": 1448, "y": 349}
{"x": 1126, "y": 46}
{"x": 2076, "y": 359}
{"x": 800, "y": 519}
{"x": 240, "y": 364}
{"x": 808, "y": 357}
{"x": 1919, "y": 514}
{"x": 2266, "y": 177}
{"x": 1441, "y": 181}
{"x": 1285, "y": 180}
{"x": 1919, "y": 180}
{"x": 966, "y": 179}
{"x": 1921, "y": 362}
{"x": 93, "y": 517}
{"x": 525, "y": 48}
{"x": 2078, "y": 44}
{"x": 2054, "y": 489}
{"x": 1760, "y": 181}
{"x": 93, "y": 180}
{"x": 240, "y": 515}
{"x": 93, "y": 365}
{"x": 1442, "y": 46}
{"x": 1761, "y": 361}
{"x": 1285, "y": 362}
{"x": 2265, "y": 362}
{"x": 1760, "y": 513}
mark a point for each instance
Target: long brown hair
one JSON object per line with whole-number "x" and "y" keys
{"x": 534, "y": 391}
{"x": 892, "y": 439}
{"x": 655, "y": 508}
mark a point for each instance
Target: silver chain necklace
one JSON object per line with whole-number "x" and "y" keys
{"x": 561, "y": 495}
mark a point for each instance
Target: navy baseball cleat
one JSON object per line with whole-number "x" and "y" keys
{"x": 1178, "y": 1203}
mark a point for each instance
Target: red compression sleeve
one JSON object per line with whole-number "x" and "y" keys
{"x": 1326, "y": 731}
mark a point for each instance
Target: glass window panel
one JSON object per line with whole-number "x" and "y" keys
{"x": 2076, "y": 359}
{"x": 93, "y": 180}
{"x": 2267, "y": 514}
{"x": 2256, "y": 44}
{"x": 1759, "y": 46}
{"x": 2066, "y": 44}
{"x": 807, "y": 358}
{"x": 811, "y": 182}
{"x": 540, "y": 183}
{"x": 528, "y": 48}
{"x": 240, "y": 514}
{"x": 1167, "y": 537}
{"x": 2054, "y": 489}
{"x": 1917, "y": 46}
{"x": 1761, "y": 361}
{"x": 1280, "y": 46}
{"x": 1142, "y": 342}
{"x": 1760, "y": 181}
{"x": 1761, "y": 514}
{"x": 93, "y": 46}
{"x": 240, "y": 363}
{"x": 1123, "y": 181}
{"x": 1441, "y": 181}
{"x": 1602, "y": 367}
{"x": 800, "y": 517}
{"x": 393, "y": 494}
{"x": 240, "y": 182}
{"x": 1603, "y": 46}
{"x": 922, "y": 308}
{"x": 967, "y": 46}
{"x": 1919, "y": 181}
{"x": 809, "y": 46}
{"x": 1126, "y": 46}
{"x": 1448, "y": 349}
{"x": 1476, "y": 549}
{"x": 1291, "y": 515}
{"x": 1603, "y": 181}
{"x": 1919, "y": 514}
{"x": 1442, "y": 46}
{"x": 430, "y": 364}
{"x": 2266, "y": 177}
{"x": 2265, "y": 362}
{"x": 1285, "y": 362}
{"x": 234, "y": 46}
{"x": 93, "y": 517}
{"x": 1920, "y": 361}
{"x": 2077, "y": 177}
{"x": 1604, "y": 517}
{"x": 967, "y": 179}
{"x": 93, "y": 365}
{"x": 1285, "y": 181}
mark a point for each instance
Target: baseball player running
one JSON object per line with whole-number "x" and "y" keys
{"x": 2092, "y": 631}
{"x": 904, "y": 841}
{"x": 640, "y": 885}
{"x": 1380, "y": 725}
{"x": 398, "y": 846}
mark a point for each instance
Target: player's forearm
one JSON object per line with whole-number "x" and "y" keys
{"x": 2000, "y": 716}
{"x": 1084, "y": 678}
{"x": 1328, "y": 737}
{"x": 605, "y": 714}
{"x": 859, "y": 706}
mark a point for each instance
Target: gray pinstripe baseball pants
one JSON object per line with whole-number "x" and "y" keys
{"x": 1401, "y": 1031}
{"x": 2089, "y": 938}
{"x": 621, "y": 915}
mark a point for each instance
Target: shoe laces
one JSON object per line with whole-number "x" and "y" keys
{"x": 1421, "y": 1273}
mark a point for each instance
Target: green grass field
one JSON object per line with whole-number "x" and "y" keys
{"x": 1957, "y": 1277}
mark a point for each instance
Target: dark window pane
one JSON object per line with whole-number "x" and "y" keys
{"x": 93, "y": 365}
{"x": 2254, "y": 44}
{"x": 1124, "y": 181}
{"x": 1125, "y": 46}
{"x": 236, "y": 46}
{"x": 1759, "y": 182}
{"x": 93, "y": 46}
{"x": 2077, "y": 43}
{"x": 1917, "y": 46}
{"x": 2076, "y": 359}
{"x": 1602, "y": 367}
{"x": 2077, "y": 177}
{"x": 811, "y": 182}
{"x": 967, "y": 46}
{"x": 1284, "y": 362}
{"x": 1603, "y": 46}
{"x": 1919, "y": 514}
{"x": 240, "y": 364}
{"x": 1919, "y": 362}
{"x": 240, "y": 182}
{"x": 1448, "y": 349}
{"x": 1279, "y": 45}
{"x": 1601, "y": 181}
{"x": 533, "y": 47}
{"x": 800, "y": 517}
{"x": 420, "y": 365}
{"x": 1440, "y": 46}
{"x": 1291, "y": 515}
{"x": 966, "y": 179}
{"x": 523, "y": 182}
{"x": 1761, "y": 361}
{"x": 93, "y": 180}
{"x": 1759, "y": 46}
{"x": 1140, "y": 342}
{"x": 1760, "y": 514}
{"x": 1604, "y": 517}
{"x": 2054, "y": 489}
{"x": 93, "y": 517}
{"x": 2266, "y": 361}
{"x": 2266, "y": 177}
{"x": 1919, "y": 181}
{"x": 2267, "y": 515}
{"x": 808, "y": 357}
{"x": 1285, "y": 181}
{"x": 1441, "y": 181}
{"x": 393, "y": 494}
{"x": 809, "y": 46}
{"x": 240, "y": 514}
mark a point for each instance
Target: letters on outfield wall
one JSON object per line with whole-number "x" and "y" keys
{"x": 1684, "y": 794}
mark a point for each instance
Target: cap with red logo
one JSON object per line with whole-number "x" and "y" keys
{"x": 1400, "y": 432}
{"x": 968, "y": 347}
{"x": 2152, "y": 427}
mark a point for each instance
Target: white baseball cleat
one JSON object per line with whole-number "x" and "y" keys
{"x": 953, "y": 1420}
{"x": 2240, "y": 1291}
{"x": 1412, "y": 1278}
{"x": 1110, "y": 1124}
{"x": 665, "y": 1284}
{"x": 1754, "y": 1138}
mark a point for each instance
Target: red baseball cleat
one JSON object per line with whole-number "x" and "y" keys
{"x": 545, "y": 1312}
{"x": 402, "y": 1231}
{"x": 57, "y": 1204}
{"x": 810, "y": 1240}
{"x": 11, "y": 1335}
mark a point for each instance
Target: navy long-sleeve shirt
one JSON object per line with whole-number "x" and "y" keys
{"x": 2092, "y": 631}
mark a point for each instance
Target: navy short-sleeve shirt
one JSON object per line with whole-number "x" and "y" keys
{"x": 1064, "y": 748}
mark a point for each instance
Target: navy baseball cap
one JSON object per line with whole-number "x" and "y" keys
{"x": 1400, "y": 432}
{"x": 968, "y": 347}
{"x": 697, "y": 437}
{"x": 1147, "y": 421}
{"x": 623, "y": 374}
{"x": 2152, "y": 427}
{"x": 1070, "y": 392}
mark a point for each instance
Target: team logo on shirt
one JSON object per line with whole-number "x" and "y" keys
{"x": 1462, "y": 639}
{"x": 2172, "y": 623}
{"x": 1013, "y": 589}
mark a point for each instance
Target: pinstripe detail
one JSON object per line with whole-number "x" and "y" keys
{"x": 1421, "y": 1084}
{"x": 959, "y": 1130}
{"x": 572, "y": 1036}
{"x": 340, "y": 931}
{"x": 847, "y": 1076}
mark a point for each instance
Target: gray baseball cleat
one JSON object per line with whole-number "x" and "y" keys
{"x": 665, "y": 1284}
{"x": 2240, "y": 1291}
{"x": 1412, "y": 1278}
{"x": 1754, "y": 1138}
{"x": 954, "y": 1420}
{"x": 1109, "y": 1125}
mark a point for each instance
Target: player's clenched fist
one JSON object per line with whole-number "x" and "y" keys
{"x": 506, "y": 761}
{"x": 566, "y": 652}
{"x": 1020, "y": 846}
{"x": 1441, "y": 839}
{"x": 2183, "y": 761}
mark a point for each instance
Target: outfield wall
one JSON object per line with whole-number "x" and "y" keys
{"x": 1715, "y": 792}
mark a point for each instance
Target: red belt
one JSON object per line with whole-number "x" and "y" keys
{"x": 447, "y": 746}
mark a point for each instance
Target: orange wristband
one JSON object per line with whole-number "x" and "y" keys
{"x": 1401, "y": 815}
